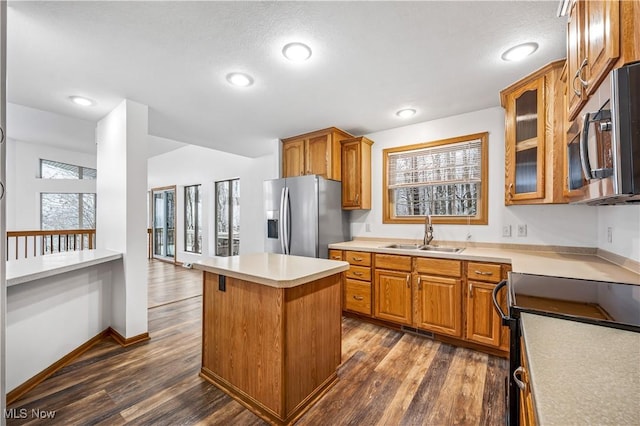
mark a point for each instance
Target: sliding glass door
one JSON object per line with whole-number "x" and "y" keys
{"x": 164, "y": 223}
{"x": 228, "y": 217}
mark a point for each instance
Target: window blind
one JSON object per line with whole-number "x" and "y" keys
{"x": 457, "y": 163}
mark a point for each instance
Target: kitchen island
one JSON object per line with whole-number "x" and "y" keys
{"x": 271, "y": 331}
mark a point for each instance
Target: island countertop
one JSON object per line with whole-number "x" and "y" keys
{"x": 582, "y": 373}
{"x": 275, "y": 270}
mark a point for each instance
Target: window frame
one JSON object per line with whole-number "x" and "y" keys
{"x": 482, "y": 216}
{"x": 196, "y": 228}
{"x": 80, "y": 209}
{"x": 81, "y": 170}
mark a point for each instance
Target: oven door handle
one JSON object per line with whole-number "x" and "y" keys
{"x": 505, "y": 318}
{"x": 584, "y": 148}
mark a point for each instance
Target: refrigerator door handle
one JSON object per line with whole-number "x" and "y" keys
{"x": 281, "y": 221}
{"x": 287, "y": 217}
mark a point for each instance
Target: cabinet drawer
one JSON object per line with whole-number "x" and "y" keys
{"x": 484, "y": 271}
{"x": 393, "y": 262}
{"x": 357, "y": 296}
{"x": 335, "y": 254}
{"x": 359, "y": 273}
{"x": 431, "y": 266}
{"x": 358, "y": 258}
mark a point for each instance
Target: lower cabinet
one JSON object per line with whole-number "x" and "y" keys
{"x": 393, "y": 296}
{"x": 527, "y": 414}
{"x": 438, "y": 304}
{"x": 483, "y": 322}
{"x": 357, "y": 296}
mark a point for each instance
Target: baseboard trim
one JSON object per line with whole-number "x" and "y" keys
{"x": 22, "y": 389}
{"x": 124, "y": 341}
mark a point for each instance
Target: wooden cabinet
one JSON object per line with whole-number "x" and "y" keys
{"x": 601, "y": 35}
{"x": 357, "y": 283}
{"x": 315, "y": 153}
{"x": 526, "y": 412}
{"x": 356, "y": 173}
{"x": 534, "y": 137}
{"x": 483, "y": 324}
{"x": 438, "y": 299}
{"x": 393, "y": 300}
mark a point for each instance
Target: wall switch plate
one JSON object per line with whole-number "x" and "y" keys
{"x": 506, "y": 231}
{"x": 609, "y": 234}
{"x": 522, "y": 230}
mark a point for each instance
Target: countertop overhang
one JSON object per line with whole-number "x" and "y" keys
{"x": 33, "y": 268}
{"x": 275, "y": 270}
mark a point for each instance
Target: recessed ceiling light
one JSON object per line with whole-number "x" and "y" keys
{"x": 296, "y": 52}
{"x": 519, "y": 52}
{"x": 80, "y": 100}
{"x": 239, "y": 79}
{"x": 406, "y": 113}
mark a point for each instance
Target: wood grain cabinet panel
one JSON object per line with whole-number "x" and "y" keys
{"x": 433, "y": 266}
{"x": 356, "y": 173}
{"x": 358, "y": 296}
{"x": 393, "y": 296}
{"x": 534, "y": 137}
{"x": 393, "y": 262}
{"x": 438, "y": 305}
{"x": 359, "y": 273}
{"x": 314, "y": 153}
{"x": 490, "y": 272}
{"x": 483, "y": 322}
{"x": 358, "y": 258}
{"x": 335, "y": 254}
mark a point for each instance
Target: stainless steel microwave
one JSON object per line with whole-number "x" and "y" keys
{"x": 603, "y": 148}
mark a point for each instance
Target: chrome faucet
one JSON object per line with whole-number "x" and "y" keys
{"x": 428, "y": 230}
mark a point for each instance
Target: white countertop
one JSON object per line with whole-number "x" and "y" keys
{"x": 33, "y": 268}
{"x": 569, "y": 265}
{"x": 582, "y": 373}
{"x": 275, "y": 270}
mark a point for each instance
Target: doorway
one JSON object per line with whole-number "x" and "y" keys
{"x": 164, "y": 223}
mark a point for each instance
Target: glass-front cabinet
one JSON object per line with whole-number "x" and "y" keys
{"x": 534, "y": 137}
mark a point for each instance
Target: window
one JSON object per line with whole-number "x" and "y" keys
{"x": 228, "y": 217}
{"x": 192, "y": 219}
{"x": 446, "y": 179}
{"x": 56, "y": 170}
{"x": 67, "y": 211}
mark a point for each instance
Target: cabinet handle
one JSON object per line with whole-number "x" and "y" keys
{"x": 510, "y": 191}
{"x": 482, "y": 273}
{"x": 419, "y": 282}
{"x": 408, "y": 280}
{"x": 470, "y": 290}
{"x": 516, "y": 379}
{"x": 358, "y": 297}
{"x": 357, "y": 259}
{"x": 358, "y": 274}
{"x": 336, "y": 258}
{"x": 584, "y": 83}
{"x": 357, "y": 198}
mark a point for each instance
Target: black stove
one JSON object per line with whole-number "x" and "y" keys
{"x": 607, "y": 304}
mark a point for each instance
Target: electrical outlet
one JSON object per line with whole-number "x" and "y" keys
{"x": 506, "y": 231}
{"x": 522, "y": 230}
{"x": 367, "y": 227}
{"x": 609, "y": 234}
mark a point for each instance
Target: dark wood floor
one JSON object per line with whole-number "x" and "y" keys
{"x": 387, "y": 378}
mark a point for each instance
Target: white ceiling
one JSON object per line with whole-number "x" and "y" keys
{"x": 369, "y": 60}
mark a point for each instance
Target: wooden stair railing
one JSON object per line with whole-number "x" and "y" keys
{"x": 41, "y": 242}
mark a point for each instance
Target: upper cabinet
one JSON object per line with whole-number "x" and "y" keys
{"x": 356, "y": 173}
{"x": 601, "y": 35}
{"x": 315, "y": 153}
{"x": 534, "y": 132}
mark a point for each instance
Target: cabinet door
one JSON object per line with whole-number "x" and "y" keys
{"x": 575, "y": 55}
{"x": 318, "y": 155}
{"x": 483, "y": 322}
{"x": 393, "y": 296}
{"x": 293, "y": 158}
{"x": 601, "y": 38}
{"x": 439, "y": 305}
{"x": 525, "y": 140}
{"x": 351, "y": 173}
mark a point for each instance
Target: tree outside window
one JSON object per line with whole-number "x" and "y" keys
{"x": 192, "y": 219}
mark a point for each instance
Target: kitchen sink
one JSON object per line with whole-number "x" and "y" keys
{"x": 425, "y": 248}
{"x": 441, "y": 249}
{"x": 404, "y": 246}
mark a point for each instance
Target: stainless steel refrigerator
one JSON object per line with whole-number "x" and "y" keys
{"x": 303, "y": 215}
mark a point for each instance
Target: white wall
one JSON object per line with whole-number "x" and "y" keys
{"x": 193, "y": 165}
{"x": 24, "y": 184}
{"x": 624, "y": 222}
{"x": 550, "y": 224}
{"x": 59, "y": 314}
